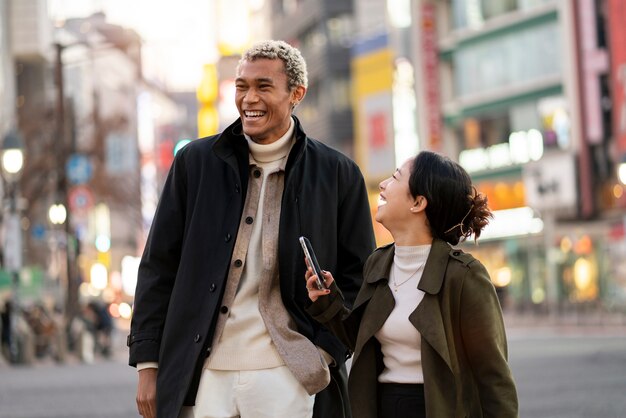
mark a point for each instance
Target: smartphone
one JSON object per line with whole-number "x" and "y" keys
{"x": 312, "y": 260}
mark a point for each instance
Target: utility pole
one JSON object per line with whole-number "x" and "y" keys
{"x": 64, "y": 148}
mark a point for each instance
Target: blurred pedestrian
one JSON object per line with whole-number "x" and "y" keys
{"x": 219, "y": 299}
{"x": 426, "y": 328}
{"x": 101, "y": 325}
{"x": 5, "y": 332}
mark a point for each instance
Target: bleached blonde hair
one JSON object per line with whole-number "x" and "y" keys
{"x": 295, "y": 66}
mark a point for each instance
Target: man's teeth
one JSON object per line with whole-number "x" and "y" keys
{"x": 381, "y": 201}
{"x": 254, "y": 114}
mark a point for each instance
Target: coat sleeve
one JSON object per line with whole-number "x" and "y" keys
{"x": 158, "y": 267}
{"x": 355, "y": 242}
{"x": 332, "y": 312}
{"x": 355, "y": 237}
{"x": 485, "y": 344}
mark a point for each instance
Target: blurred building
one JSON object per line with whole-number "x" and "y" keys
{"x": 91, "y": 125}
{"x": 323, "y": 31}
{"x": 525, "y": 104}
{"x": 26, "y": 91}
{"x": 523, "y": 93}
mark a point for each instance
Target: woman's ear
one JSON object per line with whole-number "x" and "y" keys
{"x": 419, "y": 204}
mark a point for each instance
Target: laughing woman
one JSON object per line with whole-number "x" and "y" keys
{"x": 426, "y": 328}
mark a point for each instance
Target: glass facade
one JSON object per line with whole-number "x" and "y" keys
{"x": 585, "y": 264}
{"x": 514, "y": 134}
{"x": 509, "y": 60}
{"x": 474, "y": 13}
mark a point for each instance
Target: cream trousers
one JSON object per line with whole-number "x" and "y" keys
{"x": 265, "y": 393}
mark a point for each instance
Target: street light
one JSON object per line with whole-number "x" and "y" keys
{"x": 12, "y": 163}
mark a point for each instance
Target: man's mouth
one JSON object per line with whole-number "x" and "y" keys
{"x": 253, "y": 114}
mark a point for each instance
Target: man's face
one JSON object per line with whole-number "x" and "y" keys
{"x": 263, "y": 99}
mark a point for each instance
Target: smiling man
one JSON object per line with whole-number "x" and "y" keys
{"x": 219, "y": 326}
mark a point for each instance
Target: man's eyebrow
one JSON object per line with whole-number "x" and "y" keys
{"x": 258, "y": 80}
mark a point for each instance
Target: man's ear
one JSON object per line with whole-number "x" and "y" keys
{"x": 297, "y": 94}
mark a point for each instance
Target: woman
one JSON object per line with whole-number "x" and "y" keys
{"x": 426, "y": 328}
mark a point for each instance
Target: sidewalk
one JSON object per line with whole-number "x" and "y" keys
{"x": 571, "y": 323}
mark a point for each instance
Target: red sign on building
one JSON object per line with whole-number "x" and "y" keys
{"x": 431, "y": 75}
{"x": 617, "y": 33}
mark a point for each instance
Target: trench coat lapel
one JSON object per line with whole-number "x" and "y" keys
{"x": 426, "y": 318}
{"x": 381, "y": 301}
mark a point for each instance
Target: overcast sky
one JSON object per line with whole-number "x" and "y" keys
{"x": 178, "y": 35}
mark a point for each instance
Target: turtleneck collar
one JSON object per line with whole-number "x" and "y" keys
{"x": 266, "y": 153}
{"x": 409, "y": 258}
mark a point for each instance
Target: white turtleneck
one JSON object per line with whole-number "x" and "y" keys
{"x": 245, "y": 331}
{"x": 400, "y": 341}
{"x": 268, "y": 155}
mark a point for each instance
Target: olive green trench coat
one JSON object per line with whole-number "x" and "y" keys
{"x": 463, "y": 341}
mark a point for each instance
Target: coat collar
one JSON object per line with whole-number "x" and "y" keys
{"x": 231, "y": 147}
{"x": 432, "y": 278}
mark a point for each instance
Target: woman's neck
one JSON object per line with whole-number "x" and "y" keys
{"x": 412, "y": 236}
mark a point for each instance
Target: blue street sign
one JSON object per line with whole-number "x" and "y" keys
{"x": 79, "y": 169}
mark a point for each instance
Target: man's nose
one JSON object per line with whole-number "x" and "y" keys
{"x": 251, "y": 96}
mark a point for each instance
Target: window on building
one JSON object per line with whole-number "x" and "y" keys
{"x": 340, "y": 30}
{"x": 508, "y": 60}
{"x": 474, "y": 13}
{"x": 313, "y": 40}
{"x": 337, "y": 93}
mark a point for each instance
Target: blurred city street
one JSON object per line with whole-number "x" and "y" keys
{"x": 561, "y": 372}
{"x": 98, "y": 97}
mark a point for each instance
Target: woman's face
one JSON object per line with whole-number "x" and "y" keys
{"x": 395, "y": 200}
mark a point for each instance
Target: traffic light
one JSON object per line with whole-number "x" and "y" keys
{"x": 208, "y": 121}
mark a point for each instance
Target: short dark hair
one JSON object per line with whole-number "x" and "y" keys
{"x": 455, "y": 209}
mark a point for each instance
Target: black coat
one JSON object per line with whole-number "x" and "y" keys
{"x": 188, "y": 253}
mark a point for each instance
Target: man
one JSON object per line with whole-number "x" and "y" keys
{"x": 219, "y": 326}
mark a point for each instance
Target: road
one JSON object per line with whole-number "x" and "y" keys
{"x": 571, "y": 374}
{"x": 559, "y": 375}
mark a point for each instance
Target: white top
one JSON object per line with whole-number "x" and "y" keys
{"x": 245, "y": 331}
{"x": 400, "y": 341}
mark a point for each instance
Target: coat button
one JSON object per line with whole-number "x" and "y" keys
{"x": 249, "y": 220}
{"x": 227, "y": 238}
{"x": 456, "y": 253}
{"x": 197, "y": 338}
{"x": 224, "y": 309}
{"x": 257, "y": 173}
{"x": 238, "y": 263}
{"x": 236, "y": 188}
{"x": 212, "y": 287}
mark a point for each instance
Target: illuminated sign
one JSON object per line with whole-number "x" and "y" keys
{"x": 522, "y": 147}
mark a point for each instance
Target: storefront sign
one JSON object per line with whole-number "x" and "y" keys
{"x": 550, "y": 183}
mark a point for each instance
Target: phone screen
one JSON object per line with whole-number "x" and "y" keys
{"x": 307, "y": 248}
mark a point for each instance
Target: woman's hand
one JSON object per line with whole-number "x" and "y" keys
{"x": 311, "y": 284}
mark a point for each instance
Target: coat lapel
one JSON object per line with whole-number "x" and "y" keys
{"x": 427, "y": 316}
{"x": 377, "y": 296}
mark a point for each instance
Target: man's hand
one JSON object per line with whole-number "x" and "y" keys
{"x": 146, "y": 393}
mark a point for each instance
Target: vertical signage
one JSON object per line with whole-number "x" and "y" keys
{"x": 431, "y": 75}
{"x": 617, "y": 34}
